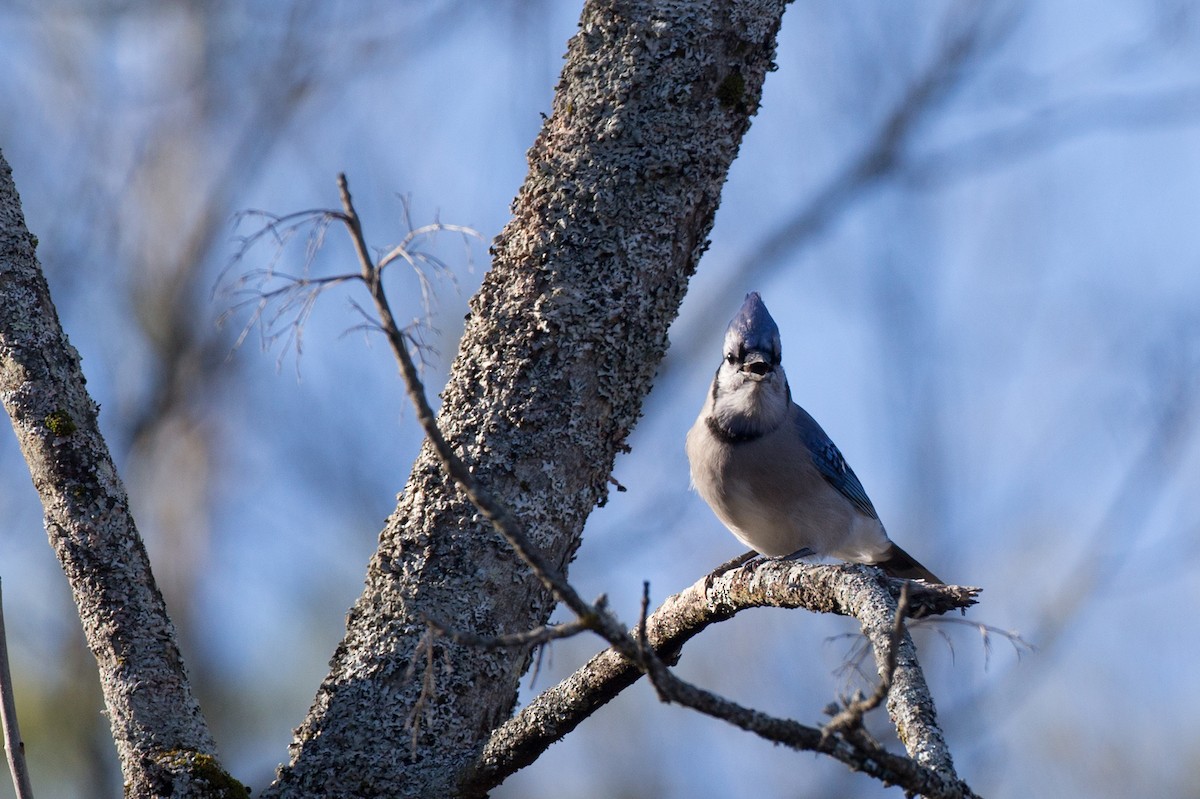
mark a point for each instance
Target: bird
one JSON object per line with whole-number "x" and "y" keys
{"x": 768, "y": 470}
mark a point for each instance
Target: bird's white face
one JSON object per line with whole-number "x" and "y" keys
{"x": 750, "y": 393}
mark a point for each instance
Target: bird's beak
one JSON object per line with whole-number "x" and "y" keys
{"x": 756, "y": 366}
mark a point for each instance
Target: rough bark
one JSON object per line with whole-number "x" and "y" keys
{"x": 558, "y": 354}
{"x": 163, "y": 743}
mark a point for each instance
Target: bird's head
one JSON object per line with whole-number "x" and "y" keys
{"x": 750, "y": 392}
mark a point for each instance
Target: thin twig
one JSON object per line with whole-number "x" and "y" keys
{"x": 14, "y": 747}
{"x": 649, "y": 656}
{"x": 428, "y": 684}
{"x": 534, "y": 637}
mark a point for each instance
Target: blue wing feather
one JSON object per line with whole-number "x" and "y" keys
{"x": 830, "y": 463}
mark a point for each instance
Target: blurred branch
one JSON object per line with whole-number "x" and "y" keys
{"x": 1106, "y": 549}
{"x": 890, "y": 153}
{"x": 14, "y": 747}
{"x": 1042, "y": 128}
{"x": 968, "y": 35}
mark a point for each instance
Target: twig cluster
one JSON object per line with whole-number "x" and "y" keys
{"x": 280, "y": 302}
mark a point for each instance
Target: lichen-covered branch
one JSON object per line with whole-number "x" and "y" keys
{"x": 848, "y": 590}
{"x": 161, "y": 738}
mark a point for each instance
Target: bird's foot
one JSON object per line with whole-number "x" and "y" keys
{"x": 728, "y": 565}
{"x": 797, "y": 555}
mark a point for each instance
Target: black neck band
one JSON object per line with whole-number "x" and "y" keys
{"x": 728, "y": 436}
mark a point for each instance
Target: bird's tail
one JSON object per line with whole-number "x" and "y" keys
{"x": 899, "y": 563}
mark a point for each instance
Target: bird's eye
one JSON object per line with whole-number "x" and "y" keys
{"x": 731, "y": 358}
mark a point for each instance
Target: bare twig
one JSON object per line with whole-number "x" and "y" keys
{"x": 986, "y": 633}
{"x": 860, "y": 647}
{"x": 650, "y": 658}
{"x": 535, "y": 637}
{"x": 279, "y": 313}
{"x": 280, "y": 303}
{"x": 428, "y": 684}
{"x": 14, "y": 747}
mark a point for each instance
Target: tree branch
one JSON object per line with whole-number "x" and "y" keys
{"x": 844, "y": 590}
{"x": 913, "y": 715}
{"x": 160, "y": 735}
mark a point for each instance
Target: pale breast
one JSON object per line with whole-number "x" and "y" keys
{"x": 771, "y": 496}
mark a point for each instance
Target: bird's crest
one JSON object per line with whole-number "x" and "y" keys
{"x": 753, "y": 329}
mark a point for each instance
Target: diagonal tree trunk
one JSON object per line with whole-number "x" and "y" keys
{"x": 559, "y": 352}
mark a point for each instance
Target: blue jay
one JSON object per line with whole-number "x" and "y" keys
{"x": 768, "y": 470}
